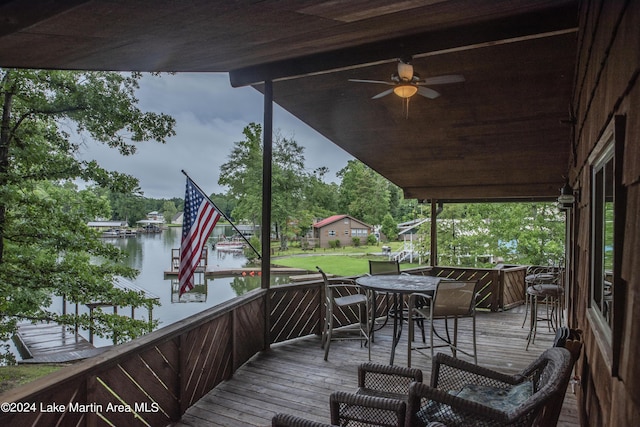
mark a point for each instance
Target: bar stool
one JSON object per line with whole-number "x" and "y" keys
{"x": 552, "y": 295}
{"x": 536, "y": 275}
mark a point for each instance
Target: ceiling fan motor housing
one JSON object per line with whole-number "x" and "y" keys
{"x": 405, "y": 71}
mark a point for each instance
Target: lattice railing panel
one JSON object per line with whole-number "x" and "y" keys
{"x": 208, "y": 360}
{"x": 513, "y": 292}
{"x": 488, "y": 281}
{"x": 31, "y": 412}
{"x": 295, "y": 312}
{"x": 249, "y": 326}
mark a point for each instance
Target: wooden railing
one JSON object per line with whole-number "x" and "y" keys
{"x": 512, "y": 286}
{"x": 152, "y": 380}
{"x": 499, "y": 288}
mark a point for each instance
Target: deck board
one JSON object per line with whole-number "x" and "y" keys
{"x": 292, "y": 377}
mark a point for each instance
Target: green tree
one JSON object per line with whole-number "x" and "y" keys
{"x": 519, "y": 233}
{"x": 169, "y": 210}
{"x": 242, "y": 173}
{"x": 46, "y": 248}
{"x": 225, "y": 202}
{"x": 288, "y": 183}
{"x": 320, "y": 198}
{"x": 389, "y": 227}
{"x": 364, "y": 194}
{"x": 126, "y": 206}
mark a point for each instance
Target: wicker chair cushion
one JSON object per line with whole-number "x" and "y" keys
{"x": 498, "y": 398}
{"x": 434, "y": 411}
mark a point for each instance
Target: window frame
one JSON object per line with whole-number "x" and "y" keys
{"x": 603, "y": 159}
{"x": 609, "y": 335}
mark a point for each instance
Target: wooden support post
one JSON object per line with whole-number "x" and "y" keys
{"x": 434, "y": 234}
{"x": 265, "y": 230}
{"x": 267, "y": 150}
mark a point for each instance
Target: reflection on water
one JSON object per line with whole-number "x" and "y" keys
{"x": 240, "y": 285}
{"x": 151, "y": 255}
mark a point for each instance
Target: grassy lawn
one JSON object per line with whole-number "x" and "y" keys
{"x": 294, "y": 249}
{"x": 13, "y": 376}
{"x": 339, "y": 264}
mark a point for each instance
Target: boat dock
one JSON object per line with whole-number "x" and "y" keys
{"x": 52, "y": 343}
{"x": 225, "y": 272}
{"x": 299, "y": 274}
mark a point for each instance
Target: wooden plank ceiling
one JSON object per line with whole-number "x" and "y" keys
{"x": 497, "y": 135}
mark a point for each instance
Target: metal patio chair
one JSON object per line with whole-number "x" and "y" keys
{"x": 450, "y": 300}
{"x": 346, "y": 297}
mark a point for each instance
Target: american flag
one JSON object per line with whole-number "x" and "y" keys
{"x": 200, "y": 216}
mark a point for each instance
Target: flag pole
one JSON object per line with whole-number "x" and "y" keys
{"x": 223, "y": 214}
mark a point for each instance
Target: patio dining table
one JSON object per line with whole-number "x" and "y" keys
{"x": 398, "y": 285}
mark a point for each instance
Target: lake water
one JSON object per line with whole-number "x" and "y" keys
{"x": 150, "y": 254}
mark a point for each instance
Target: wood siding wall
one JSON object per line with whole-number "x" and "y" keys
{"x": 606, "y": 85}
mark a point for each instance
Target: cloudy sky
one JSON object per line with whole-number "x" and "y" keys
{"x": 210, "y": 116}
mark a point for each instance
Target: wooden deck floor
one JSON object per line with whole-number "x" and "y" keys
{"x": 293, "y": 377}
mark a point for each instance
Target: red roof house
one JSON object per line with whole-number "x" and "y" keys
{"x": 341, "y": 227}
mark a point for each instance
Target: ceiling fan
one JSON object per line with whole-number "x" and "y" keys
{"x": 407, "y": 83}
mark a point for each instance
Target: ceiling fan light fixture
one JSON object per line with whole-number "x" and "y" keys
{"x": 405, "y": 90}
{"x": 405, "y": 71}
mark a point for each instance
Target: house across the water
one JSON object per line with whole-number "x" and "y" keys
{"x": 343, "y": 228}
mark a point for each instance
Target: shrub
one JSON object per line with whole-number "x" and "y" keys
{"x": 356, "y": 241}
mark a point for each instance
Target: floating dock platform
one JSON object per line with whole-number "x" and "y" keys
{"x": 52, "y": 343}
{"x": 226, "y": 272}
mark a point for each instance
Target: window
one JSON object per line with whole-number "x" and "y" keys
{"x": 608, "y": 210}
{"x": 359, "y": 232}
{"x": 332, "y": 233}
{"x": 602, "y": 214}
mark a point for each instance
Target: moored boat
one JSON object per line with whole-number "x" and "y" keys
{"x": 228, "y": 245}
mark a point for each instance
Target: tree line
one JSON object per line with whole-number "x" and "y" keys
{"x": 469, "y": 234}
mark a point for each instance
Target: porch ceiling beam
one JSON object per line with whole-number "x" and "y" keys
{"x": 507, "y": 192}
{"x": 544, "y": 23}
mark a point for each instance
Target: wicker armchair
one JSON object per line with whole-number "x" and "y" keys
{"x": 386, "y": 380}
{"x": 350, "y": 409}
{"x": 286, "y": 420}
{"x": 463, "y": 394}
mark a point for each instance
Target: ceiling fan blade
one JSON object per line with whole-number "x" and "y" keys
{"x": 427, "y": 93}
{"x": 381, "y": 94}
{"x": 372, "y": 81}
{"x": 443, "y": 80}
